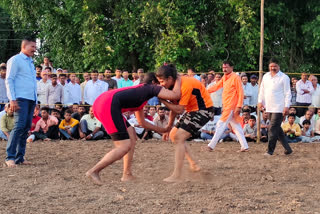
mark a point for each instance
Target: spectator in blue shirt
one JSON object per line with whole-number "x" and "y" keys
{"x": 125, "y": 82}
{"x": 21, "y": 87}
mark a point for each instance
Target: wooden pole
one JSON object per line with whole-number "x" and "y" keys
{"x": 260, "y": 65}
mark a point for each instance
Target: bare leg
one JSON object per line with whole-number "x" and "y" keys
{"x": 178, "y": 136}
{"x": 127, "y": 159}
{"x": 192, "y": 163}
{"x": 122, "y": 148}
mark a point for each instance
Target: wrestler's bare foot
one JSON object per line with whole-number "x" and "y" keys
{"x": 11, "y": 164}
{"x": 127, "y": 177}
{"x": 195, "y": 168}
{"x": 172, "y": 179}
{"x": 94, "y": 177}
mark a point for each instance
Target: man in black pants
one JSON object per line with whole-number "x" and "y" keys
{"x": 275, "y": 97}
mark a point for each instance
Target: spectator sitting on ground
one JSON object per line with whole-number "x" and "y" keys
{"x": 75, "y": 108}
{"x": 153, "y": 111}
{"x": 81, "y": 111}
{"x": 58, "y": 106}
{"x": 308, "y": 116}
{"x": 208, "y": 130}
{"x": 265, "y": 124}
{"x": 245, "y": 116}
{"x": 90, "y": 127}
{"x": 56, "y": 114}
{"x": 46, "y": 128}
{"x": 292, "y": 110}
{"x": 307, "y": 135}
{"x": 228, "y": 135}
{"x": 292, "y": 130}
{"x": 69, "y": 126}
{"x": 146, "y": 113}
{"x": 250, "y": 129}
{"x": 35, "y": 118}
{"x": 140, "y": 131}
{"x": 2, "y": 113}
{"x": 7, "y": 123}
{"x": 161, "y": 120}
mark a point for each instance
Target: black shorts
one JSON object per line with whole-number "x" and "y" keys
{"x": 193, "y": 121}
{"x": 121, "y": 135}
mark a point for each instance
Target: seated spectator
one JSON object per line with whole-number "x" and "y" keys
{"x": 161, "y": 121}
{"x": 69, "y": 126}
{"x": 7, "y": 123}
{"x": 250, "y": 129}
{"x": 81, "y": 111}
{"x": 2, "y": 113}
{"x": 208, "y": 130}
{"x": 146, "y": 113}
{"x": 75, "y": 108}
{"x": 265, "y": 124}
{"x": 153, "y": 111}
{"x": 46, "y": 128}
{"x": 228, "y": 135}
{"x": 307, "y": 135}
{"x": 140, "y": 131}
{"x": 308, "y": 116}
{"x": 90, "y": 127}
{"x": 291, "y": 130}
{"x": 292, "y": 110}
{"x": 245, "y": 116}
{"x": 57, "y": 114}
{"x": 35, "y": 119}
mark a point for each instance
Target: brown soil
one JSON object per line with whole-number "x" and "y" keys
{"x": 230, "y": 182}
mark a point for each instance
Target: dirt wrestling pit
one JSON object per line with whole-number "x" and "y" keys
{"x": 229, "y": 182}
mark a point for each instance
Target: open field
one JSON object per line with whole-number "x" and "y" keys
{"x": 230, "y": 182}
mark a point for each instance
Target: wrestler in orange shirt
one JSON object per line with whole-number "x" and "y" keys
{"x": 232, "y": 100}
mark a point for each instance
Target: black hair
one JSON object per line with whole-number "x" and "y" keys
{"x": 39, "y": 66}
{"x": 252, "y": 117}
{"x": 95, "y": 71}
{"x": 292, "y": 115}
{"x": 2, "y": 68}
{"x": 192, "y": 69}
{"x": 161, "y": 108}
{"x": 62, "y": 75}
{"x": 166, "y": 71}
{"x": 228, "y": 63}
{"x": 55, "y": 110}
{"x": 306, "y": 122}
{"x": 68, "y": 111}
{"x": 48, "y": 68}
{"x": 246, "y": 110}
{"x": 149, "y": 78}
{"x": 45, "y": 109}
{"x": 273, "y": 60}
{"x": 53, "y": 75}
{"x": 29, "y": 39}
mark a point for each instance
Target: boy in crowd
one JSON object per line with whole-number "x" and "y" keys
{"x": 161, "y": 120}
{"x": 46, "y": 128}
{"x": 291, "y": 130}
{"x": 90, "y": 127}
{"x": 309, "y": 115}
{"x": 68, "y": 126}
{"x": 292, "y": 110}
{"x": 81, "y": 111}
{"x": 265, "y": 124}
{"x": 7, "y": 122}
{"x": 307, "y": 135}
{"x": 250, "y": 129}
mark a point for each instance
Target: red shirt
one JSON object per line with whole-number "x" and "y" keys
{"x": 34, "y": 122}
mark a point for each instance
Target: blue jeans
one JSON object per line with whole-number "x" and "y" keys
{"x": 293, "y": 140}
{"x": 206, "y": 136}
{"x": 66, "y": 134}
{"x": 84, "y": 128}
{"x": 16, "y": 146}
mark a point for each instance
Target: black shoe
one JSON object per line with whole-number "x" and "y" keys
{"x": 287, "y": 152}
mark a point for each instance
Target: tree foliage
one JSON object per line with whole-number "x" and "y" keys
{"x": 97, "y": 34}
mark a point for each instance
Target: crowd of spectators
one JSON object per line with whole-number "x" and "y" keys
{"x": 64, "y": 100}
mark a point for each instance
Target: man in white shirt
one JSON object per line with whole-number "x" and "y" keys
{"x": 216, "y": 97}
{"x": 3, "y": 90}
{"x": 118, "y": 76}
{"x": 74, "y": 90}
{"x": 304, "y": 94}
{"x": 140, "y": 72}
{"x": 94, "y": 88}
{"x": 41, "y": 87}
{"x": 86, "y": 78}
{"x": 316, "y": 93}
{"x": 64, "y": 84}
{"x": 253, "y": 100}
{"x": 275, "y": 96}
{"x": 54, "y": 92}
{"x": 246, "y": 89}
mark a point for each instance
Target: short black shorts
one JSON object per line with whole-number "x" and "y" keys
{"x": 124, "y": 135}
{"x": 193, "y": 121}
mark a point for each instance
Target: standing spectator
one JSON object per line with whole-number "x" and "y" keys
{"x": 192, "y": 73}
{"x": 135, "y": 77}
{"x": 21, "y": 86}
{"x": 204, "y": 80}
{"x": 78, "y": 80}
{"x": 46, "y": 63}
{"x": 7, "y": 123}
{"x": 69, "y": 126}
{"x": 3, "y": 91}
{"x": 292, "y": 130}
{"x": 304, "y": 94}
{"x": 100, "y": 76}
{"x": 38, "y": 72}
{"x": 246, "y": 89}
{"x": 117, "y": 77}
{"x": 316, "y": 91}
{"x": 253, "y": 100}
{"x": 250, "y": 129}
{"x": 216, "y": 96}
{"x": 64, "y": 84}
{"x": 161, "y": 121}
{"x": 54, "y": 91}
{"x": 94, "y": 88}
{"x": 111, "y": 82}
{"x": 294, "y": 81}
{"x": 275, "y": 94}
{"x": 140, "y": 72}
{"x": 41, "y": 87}
{"x": 86, "y": 78}
{"x": 46, "y": 128}
{"x": 90, "y": 127}
{"x": 211, "y": 77}
{"x": 125, "y": 82}
{"x": 265, "y": 125}
{"x": 74, "y": 90}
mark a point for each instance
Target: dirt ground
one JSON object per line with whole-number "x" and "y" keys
{"x": 230, "y": 182}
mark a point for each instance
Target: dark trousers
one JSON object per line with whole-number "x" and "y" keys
{"x": 16, "y": 146}
{"x": 52, "y": 133}
{"x": 276, "y": 133}
{"x": 217, "y": 110}
{"x": 301, "y": 111}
